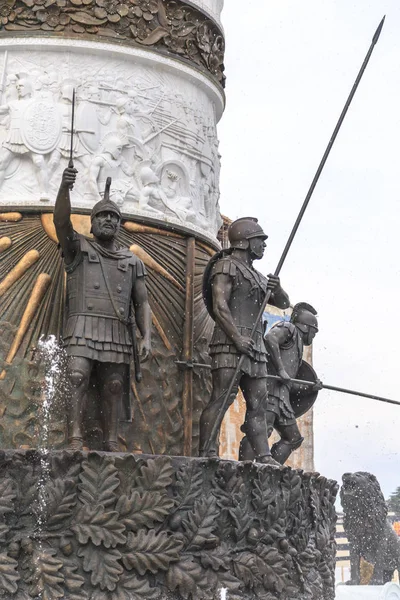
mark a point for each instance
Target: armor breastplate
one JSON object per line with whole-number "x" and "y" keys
{"x": 248, "y": 293}
{"x": 87, "y": 292}
{"x": 291, "y": 352}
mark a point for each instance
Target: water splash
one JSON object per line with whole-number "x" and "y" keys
{"x": 224, "y": 594}
{"x": 51, "y": 357}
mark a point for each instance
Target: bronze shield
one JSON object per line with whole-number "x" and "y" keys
{"x": 302, "y": 401}
{"x": 207, "y": 289}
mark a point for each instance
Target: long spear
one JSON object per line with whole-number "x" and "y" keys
{"x": 297, "y": 223}
{"x": 324, "y": 386}
{"x": 334, "y": 388}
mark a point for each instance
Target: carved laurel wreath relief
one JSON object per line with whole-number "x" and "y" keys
{"x": 140, "y": 528}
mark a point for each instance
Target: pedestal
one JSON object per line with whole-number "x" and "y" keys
{"x": 390, "y": 591}
{"x": 97, "y": 526}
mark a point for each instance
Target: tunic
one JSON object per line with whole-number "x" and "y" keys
{"x": 98, "y": 301}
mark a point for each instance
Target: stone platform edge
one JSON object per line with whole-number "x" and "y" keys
{"x": 100, "y": 526}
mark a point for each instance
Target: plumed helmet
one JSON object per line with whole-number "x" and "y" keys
{"x": 105, "y": 205}
{"x": 121, "y": 102}
{"x": 304, "y": 315}
{"x": 242, "y": 230}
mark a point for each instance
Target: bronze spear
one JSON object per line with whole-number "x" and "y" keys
{"x": 334, "y": 388}
{"x": 298, "y": 220}
{"x": 324, "y": 386}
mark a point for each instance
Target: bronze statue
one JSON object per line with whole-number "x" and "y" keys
{"x": 284, "y": 343}
{"x": 368, "y": 529}
{"x": 104, "y": 282}
{"x": 234, "y": 292}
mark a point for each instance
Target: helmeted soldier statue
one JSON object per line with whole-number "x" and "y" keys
{"x": 285, "y": 342}
{"x": 103, "y": 281}
{"x": 234, "y": 292}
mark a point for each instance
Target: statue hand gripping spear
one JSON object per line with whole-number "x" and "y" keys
{"x": 228, "y": 392}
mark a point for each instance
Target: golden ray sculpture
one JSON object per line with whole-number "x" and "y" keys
{"x": 20, "y": 268}
{"x": 13, "y": 217}
{"x": 153, "y": 264}
{"x": 36, "y": 297}
{"x": 5, "y": 244}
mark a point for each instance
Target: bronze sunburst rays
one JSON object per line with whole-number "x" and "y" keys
{"x": 32, "y": 287}
{"x": 31, "y": 276}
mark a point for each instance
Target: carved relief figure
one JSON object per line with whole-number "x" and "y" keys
{"x": 234, "y": 292}
{"x": 15, "y": 145}
{"x": 104, "y": 281}
{"x": 110, "y": 162}
{"x": 127, "y": 126}
{"x": 157, "y": 122}
{"x": 11, "y": 87}
{"x": 164, "y": 200}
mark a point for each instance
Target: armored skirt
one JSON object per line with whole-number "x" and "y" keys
{"x": 98, "y": 338}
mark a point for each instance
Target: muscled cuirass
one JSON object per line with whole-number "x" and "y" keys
{"x": 291, "y": 354}
{"x": 100, "y": 286}
{"x": 292, "y": 350}
{"x": 247, "y": 294}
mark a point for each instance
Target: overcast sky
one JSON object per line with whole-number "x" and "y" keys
{"x": 290, "y": 66}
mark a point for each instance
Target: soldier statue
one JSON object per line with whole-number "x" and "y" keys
{"x": 234, "y": 292}
{"x": 286, "y": 399}
{"x": 106, "y": 293}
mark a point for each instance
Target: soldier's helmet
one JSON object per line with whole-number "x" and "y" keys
{"x": 105, "y": 205}
{"x": 305, "y": 316}
{"x": 148, "y": 176}
{"x": 244, "y": 229}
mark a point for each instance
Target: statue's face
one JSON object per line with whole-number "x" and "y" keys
{"x": 308, "y": 326}
{"x": 257, "y": 247}
{"x": 115, "y": 149}
{"x": 23, "y": 88}
{"x": 309, "y": 335}
{"x": 67, "y": 92}
{"x": 105, "y": 225}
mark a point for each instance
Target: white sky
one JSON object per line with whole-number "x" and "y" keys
{"x": 290, "y": 65}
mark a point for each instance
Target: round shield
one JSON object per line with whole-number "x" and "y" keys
{"x": 87, "y": 126}
{"x": 207, "y": 290}
{"x": 41, "y": 125}
{"x": 302, "y": 401}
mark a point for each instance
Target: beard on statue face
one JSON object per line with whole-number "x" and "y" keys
{"x": 104, "y": 228}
